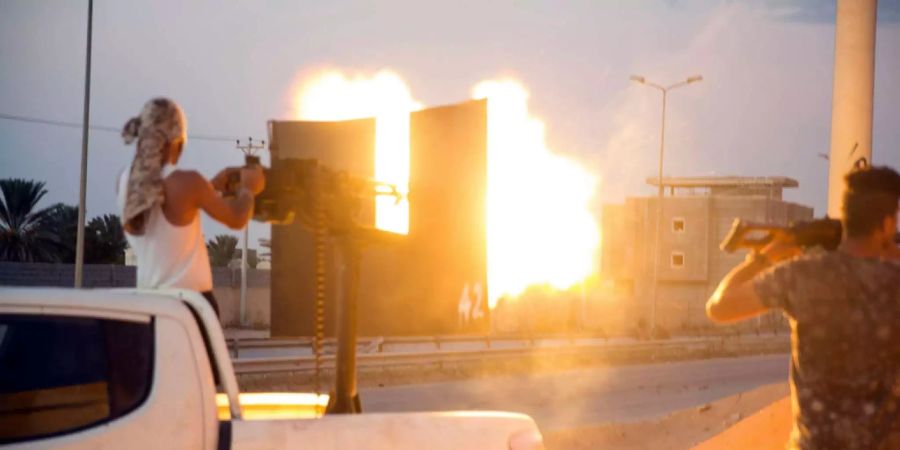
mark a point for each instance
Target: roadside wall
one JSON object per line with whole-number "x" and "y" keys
{"x": 226, "y": 285}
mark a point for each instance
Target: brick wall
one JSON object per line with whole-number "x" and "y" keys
{"x": 108, "y": 275}
{"x": 226, "y": 285}
{"x": 63, "y": 275}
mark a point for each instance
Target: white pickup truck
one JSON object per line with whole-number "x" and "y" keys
{"x": 111, "y": 369}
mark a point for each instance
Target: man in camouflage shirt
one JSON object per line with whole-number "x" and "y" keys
{"x": 844, "y": 312}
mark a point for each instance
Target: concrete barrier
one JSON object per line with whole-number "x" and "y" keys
{"x": 768, "y": 429}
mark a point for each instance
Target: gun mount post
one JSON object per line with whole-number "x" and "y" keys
{"x": 328, "y": 202}
{"x": 346, "y": 398}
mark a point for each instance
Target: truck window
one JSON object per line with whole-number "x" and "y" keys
{"x": 63, "y": 374}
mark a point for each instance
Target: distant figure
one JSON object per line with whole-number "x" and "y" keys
{"x": 161, "y": 205}
{"x": 478, "y": 307}
{"x": 464, "y": 308}
{"x": 844, "y": 312}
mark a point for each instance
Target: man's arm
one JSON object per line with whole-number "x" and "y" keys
{"x": 735, "y": 298}
{"x": 234, "y": 212}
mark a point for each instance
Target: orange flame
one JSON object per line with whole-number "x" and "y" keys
{"x": 332, "y": 95}
{"x": 540, "y": 227}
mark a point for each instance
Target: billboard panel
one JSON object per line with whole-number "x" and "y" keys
{"x": 415, "y": 287}
{"x": 346, "y": 145}
{"x": 448, "y": 232}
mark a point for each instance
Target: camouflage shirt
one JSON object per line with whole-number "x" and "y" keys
{"x": 844, "y": 313}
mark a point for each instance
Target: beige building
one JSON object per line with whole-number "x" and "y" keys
{"x": 697, "y": 214}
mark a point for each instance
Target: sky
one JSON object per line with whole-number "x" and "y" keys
{"x": 764, "y": 107}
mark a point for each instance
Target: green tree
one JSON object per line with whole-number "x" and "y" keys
{"x": 105, "y": 240}
{"x": 222, "y": 249}
{"x": 62, "y": 220}
{"x": 252, "y": 258}
{"x": 25, "y": 232}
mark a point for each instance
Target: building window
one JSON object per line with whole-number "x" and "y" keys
{"x": 677, "y": 259}
{"x": 678, "y": 225}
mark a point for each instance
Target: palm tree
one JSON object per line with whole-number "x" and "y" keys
{"x": 25, "y": 234}
{"x": 221, "y": 250}
{"x": 105, "y": 242}
{"x": 62, "y": 219}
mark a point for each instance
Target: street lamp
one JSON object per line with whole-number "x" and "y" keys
{"x": 85, "y": 125}
{"x": 659, "y": 202}
{"x": 249, "y": 149}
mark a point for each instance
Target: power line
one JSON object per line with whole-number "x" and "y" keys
{"x": 60, "y": 123}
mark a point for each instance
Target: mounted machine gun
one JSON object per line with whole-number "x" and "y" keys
{"x": 329, "y": 203}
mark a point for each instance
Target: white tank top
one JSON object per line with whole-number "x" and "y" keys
{"x": 168, "y": 256}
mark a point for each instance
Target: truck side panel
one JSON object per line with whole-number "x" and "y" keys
{"x": 434, "y": 431}
{"x": 178, "y": 413}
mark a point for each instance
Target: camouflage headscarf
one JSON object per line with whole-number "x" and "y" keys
{"x": 160, "y": 121}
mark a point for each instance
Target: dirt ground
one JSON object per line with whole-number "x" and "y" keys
{"x": 679, "y": 430}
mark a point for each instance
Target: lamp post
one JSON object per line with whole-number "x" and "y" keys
{"x": 249, "y": 150}
{"x": 657, "y": 250}
{"x": 85, "y": 123}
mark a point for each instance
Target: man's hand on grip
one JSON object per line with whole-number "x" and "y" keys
{"x": 224, "y": 180}
{"x": 253, "y": 179}
{"x": 781, "y": 247}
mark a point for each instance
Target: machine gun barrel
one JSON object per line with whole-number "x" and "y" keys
{"x": 293, "y": 191}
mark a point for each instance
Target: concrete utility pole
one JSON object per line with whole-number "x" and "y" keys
{"x": 82, "y": 194}
{"x": 657, "y": 250}
{"x": 249, "y": 149}
{"x": 854, "y": 87}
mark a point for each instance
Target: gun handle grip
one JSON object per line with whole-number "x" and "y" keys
{"x": 231, "y": 184}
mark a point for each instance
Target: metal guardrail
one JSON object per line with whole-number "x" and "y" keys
{"x": 435, "y": 340}
{"x": 381, "y": 344}
{"x": 449, "y": 357}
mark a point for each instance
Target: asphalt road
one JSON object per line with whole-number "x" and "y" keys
{"x": 589, "y": 396}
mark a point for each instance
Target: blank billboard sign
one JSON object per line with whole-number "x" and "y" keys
{"x": 447, "y": 229}
{"x": 414, "y": 287}
{"x": 346, "y": 145}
